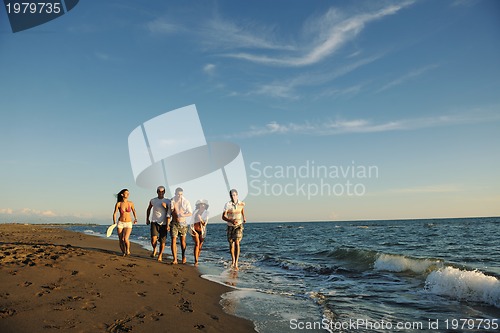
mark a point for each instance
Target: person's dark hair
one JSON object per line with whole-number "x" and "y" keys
{"x": 119, "y": 196}
{"x": 231, "y": 194}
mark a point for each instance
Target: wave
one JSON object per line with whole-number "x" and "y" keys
{"x": 299, "y": 266}
{"x": 399, "y": 263}
{"x": 464, "y": 285}
{"x": 357, "y": 259}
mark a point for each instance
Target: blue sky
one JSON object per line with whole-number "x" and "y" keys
{"x": 411, "y": 88}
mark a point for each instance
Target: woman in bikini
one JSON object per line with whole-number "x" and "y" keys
{"x": 198, "y": 227}
{"x": 124, "y": 223}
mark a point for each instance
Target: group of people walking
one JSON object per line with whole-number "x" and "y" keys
{"x": 175, "y": 216}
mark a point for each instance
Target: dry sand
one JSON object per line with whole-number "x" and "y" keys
{"x": 54, "y": 280}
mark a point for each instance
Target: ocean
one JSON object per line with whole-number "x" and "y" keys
{"x": 435, "y": 275}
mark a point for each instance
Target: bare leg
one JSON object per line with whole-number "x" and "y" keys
{"x": 231, "y": 249}
{"x": 154, "y": 242}
{"x": 127, "y": 232}
{"x": 197, "y": 248}
{"x": 120, "y": 239}
{"x": 183, "y": 248}
{"x": 236, "y": 253}
{"x": 174, "y": 250}
{"x": 200, "y": 247}
{"x": 160, "y": 254}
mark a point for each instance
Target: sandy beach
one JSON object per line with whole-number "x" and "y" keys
{"x": 57, "y": 280}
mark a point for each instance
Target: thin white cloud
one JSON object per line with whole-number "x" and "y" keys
{"x": 223, "y": 34}
{"x": 409, "y": 76}
{"x": 162, "y": 26}
{"x": 209, "y": 69}
{"x": 28, "y": 212}
{"x": 102, "y": 56}
{"x": 341, "y": 126}
{"x": 45, "y": 213}
{"x": 441, "y": 188}
{"x": 329, "y": 35}
{"x": 338, "y": 92}
{"x": 289, "y": 88}
{"x": 8, "y": 211}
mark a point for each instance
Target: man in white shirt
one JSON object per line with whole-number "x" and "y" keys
{"x": 234, "y": 215}
{"x": 159, "y": 221}
{"x": 181, "y": 210}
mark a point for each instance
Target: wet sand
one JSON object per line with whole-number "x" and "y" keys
{"x": 54, "y": 280}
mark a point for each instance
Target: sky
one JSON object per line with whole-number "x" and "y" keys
{"x": 343, "y": 110}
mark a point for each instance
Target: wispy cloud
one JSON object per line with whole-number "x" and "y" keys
{"x": 288, "y": 88}
{"x": 163, "y": 26}
{"x": 7, "y": 211}
{"x": 329, "y": 34}
{"x": 340, "y": 126}
{"x": 28, "y": 212}
{"x": 102, "y": 56}
{"x": 441, "y": 188}
{"x": 407, "y": 77}
{"x": 224, "y": 34}
{"x": 209, "y": 69}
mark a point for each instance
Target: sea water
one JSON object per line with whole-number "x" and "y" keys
{"x": 366, "y": 276}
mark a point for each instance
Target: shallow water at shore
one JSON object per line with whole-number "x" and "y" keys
{"x": 328, "y": 275}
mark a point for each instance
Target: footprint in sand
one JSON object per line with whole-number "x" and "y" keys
{"x": 156, "y": 316}
{"x": 88, "y": 306}
{"x": 185, "y": 305}
{"x": 119, "y": 326}
{"x": 5, "y": 312}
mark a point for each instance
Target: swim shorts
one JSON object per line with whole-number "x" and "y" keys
{"x": 124, "y": 225}
{"x": 234, "y": 233}
{"x": 159, "y": 230}
{"x": 177, "y": 229}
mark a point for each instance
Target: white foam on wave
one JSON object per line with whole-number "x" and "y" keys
{"x": 464, "y": 285}
{"x": 397, "y": 263}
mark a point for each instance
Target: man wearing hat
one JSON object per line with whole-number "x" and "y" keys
{"x": 160, "y": 220}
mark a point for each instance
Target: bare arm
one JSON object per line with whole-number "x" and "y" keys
{"x": 148, "y": 211}
{"x": 227, "y": 219}
{"x": 114, "y": 213}
{"x": 133, "y": 211}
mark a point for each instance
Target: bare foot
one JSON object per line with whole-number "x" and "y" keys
{"x": 183, "y": 260}
{"x": 160, "y": 258}
{"x": 174, "y": 262}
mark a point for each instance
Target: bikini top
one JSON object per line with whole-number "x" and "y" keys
{"x": 128, "y": 210}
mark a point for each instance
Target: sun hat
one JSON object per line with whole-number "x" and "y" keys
{"x": 202, "y": 201}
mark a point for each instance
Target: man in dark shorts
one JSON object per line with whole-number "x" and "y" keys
{"x": 234, "y": 215}
{"x": 160, "y": 220}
